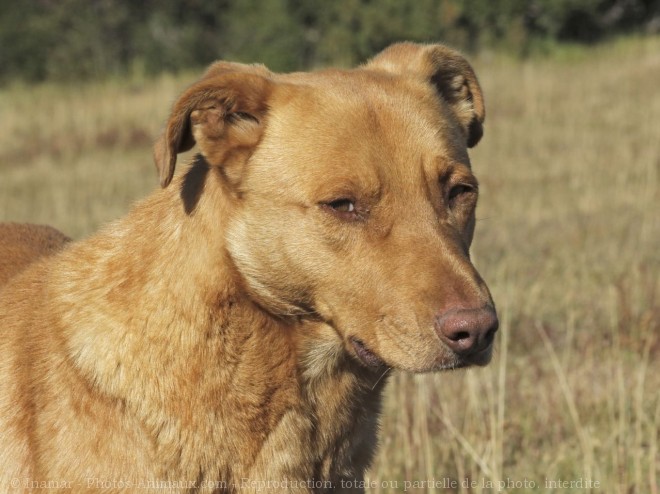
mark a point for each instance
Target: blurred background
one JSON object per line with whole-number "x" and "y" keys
{"x": 73, "y": 39}
{"x": 568, "y": 224}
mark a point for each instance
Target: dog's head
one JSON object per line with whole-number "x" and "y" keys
{"x": 352, "y": 198}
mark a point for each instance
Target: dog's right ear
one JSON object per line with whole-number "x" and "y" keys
{"x": 223, "y": 114}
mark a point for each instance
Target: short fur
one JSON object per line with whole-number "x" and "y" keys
{"x": 233, "y": 332}
{"x": 22, "y": 244}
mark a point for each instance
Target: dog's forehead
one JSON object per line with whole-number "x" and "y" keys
{"x": 361, "y": 84}
{"x": 359, "y": 107}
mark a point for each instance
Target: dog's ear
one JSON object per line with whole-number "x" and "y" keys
{"x": 223, "y": 114}
{"x": 449, "y": 72}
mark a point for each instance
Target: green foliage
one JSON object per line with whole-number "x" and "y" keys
{"x": 73, "y": 39}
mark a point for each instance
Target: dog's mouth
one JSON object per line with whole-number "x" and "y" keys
{"x": 366, "y": 356}
{"x": 480, "y": 358}
{"x": 371, "y": 360}
{"x": 477, "y": 359}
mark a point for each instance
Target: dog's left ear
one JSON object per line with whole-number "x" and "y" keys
{"x": 223, "y": 114}
{"x": 450, "y": 74}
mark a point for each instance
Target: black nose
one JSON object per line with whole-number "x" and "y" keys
{"x": 467, "y": 331}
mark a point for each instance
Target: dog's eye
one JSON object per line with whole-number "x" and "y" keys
{"x": 459, "y": 191}
{"x": 344, "y": 209}
{"x": 342, "y": 206}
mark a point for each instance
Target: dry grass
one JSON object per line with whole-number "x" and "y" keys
{"x": 568, "y": 239}
{"x": 76, "y": 157}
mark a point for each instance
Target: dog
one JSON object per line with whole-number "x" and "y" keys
{"x": 22, "y": 244}
{"x": 235, "y": 330}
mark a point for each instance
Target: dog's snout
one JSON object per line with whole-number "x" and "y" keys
{"x": 467, "y": 331}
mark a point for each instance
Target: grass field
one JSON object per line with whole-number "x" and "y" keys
{"x": 568, "y": 238}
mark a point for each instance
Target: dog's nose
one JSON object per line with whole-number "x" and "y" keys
{"x": 467, "y": 331}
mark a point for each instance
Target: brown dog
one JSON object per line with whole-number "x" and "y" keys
{"x": 22, "y": 244}
{"x": 231, "y": 333}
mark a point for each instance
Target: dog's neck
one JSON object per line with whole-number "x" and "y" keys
{"x": 283, "y": 383}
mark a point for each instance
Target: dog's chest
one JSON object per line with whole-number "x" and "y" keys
{"x": 266, "y": 417}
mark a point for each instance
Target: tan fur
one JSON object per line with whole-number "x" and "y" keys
{"x": 21, "y": 244}
{"x": 232, "y": 332}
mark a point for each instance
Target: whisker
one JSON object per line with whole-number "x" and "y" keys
{"x": 381, "y": 378}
